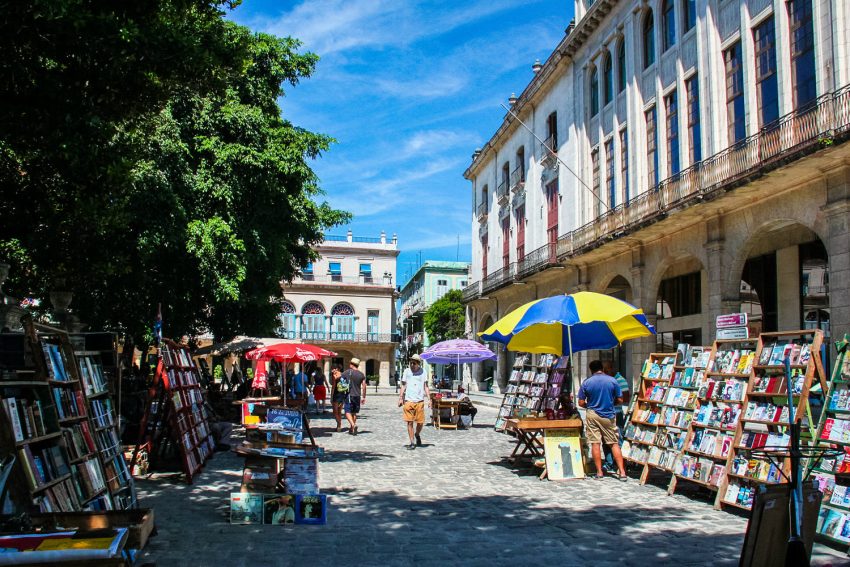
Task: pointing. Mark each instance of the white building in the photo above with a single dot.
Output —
(345, 302)
(700, 152)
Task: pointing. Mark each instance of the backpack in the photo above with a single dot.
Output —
(343, 385)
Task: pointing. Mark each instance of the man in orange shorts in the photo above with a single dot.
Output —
(414, 393)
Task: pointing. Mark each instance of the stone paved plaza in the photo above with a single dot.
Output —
(452, 502)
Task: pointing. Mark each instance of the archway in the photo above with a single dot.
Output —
(485, 372)
(371, 368)
(621, 355)
(680, 304)
(784, 278)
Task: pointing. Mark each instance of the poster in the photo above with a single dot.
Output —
(248, 417)
(278, 509)
(289, 420)
(246, 508)
(311, 509)
(564, 458)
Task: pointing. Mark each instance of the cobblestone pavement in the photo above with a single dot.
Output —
(453, 501)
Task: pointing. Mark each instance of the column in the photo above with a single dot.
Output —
(719, 280)
(837, 215)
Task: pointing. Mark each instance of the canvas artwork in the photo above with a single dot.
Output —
(278, 509)
(246, 508)
(564, 459)
(291, 421)
(311, 509)
(248, 417)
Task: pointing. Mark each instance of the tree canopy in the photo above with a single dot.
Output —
(446, 318)
(146, 161)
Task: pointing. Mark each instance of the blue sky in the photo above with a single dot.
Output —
(409, 88)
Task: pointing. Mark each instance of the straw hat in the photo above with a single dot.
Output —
(355, 362)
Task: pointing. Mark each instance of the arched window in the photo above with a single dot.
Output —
(288, 321)
(342, 322)
(689, 15)
(342, 309)
(668, 25)
(594, 92)
(313, 321)
(608, 78)
(648, 40)
(621, 66)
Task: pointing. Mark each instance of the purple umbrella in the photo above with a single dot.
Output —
(457, 351)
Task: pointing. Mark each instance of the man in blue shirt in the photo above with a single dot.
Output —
(600, 394)
(299, 385)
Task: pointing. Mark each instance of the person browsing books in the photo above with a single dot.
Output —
(600, 394)
(414, 392)
(356, 382)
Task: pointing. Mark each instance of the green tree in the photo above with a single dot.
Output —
(175, 181)
(446, 319)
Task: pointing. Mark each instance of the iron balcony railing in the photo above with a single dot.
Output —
(818, 125)
(502, 192)
(548, 150)
(482, 211)
(517, 179)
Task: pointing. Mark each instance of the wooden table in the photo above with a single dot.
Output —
(528, 431)
(452, 404)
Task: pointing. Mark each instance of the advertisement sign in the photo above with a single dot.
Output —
(733, 333)
(732, 320)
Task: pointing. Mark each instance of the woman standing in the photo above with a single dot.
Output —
(320, 388)
(337, 397)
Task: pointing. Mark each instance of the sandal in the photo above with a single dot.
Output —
(623, 478)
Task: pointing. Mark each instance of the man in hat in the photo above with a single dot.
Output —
(356, 393)
(414, 392)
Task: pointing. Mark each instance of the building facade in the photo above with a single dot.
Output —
(687, 156)
(345, 302)
(431, 281)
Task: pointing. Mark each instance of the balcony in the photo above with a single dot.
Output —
(518, 179)
(344, 337)
(822, 124)
(502, 192)
(339, 279)
(482, 212)
(549, 151)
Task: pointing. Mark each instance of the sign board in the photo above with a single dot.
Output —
(733, 333)
(732, 320)
(289, 421)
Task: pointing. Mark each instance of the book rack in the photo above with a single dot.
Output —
(49, 423)
(833, 431)
(718, 387)
(535, 386)
(175, 420)
(643, 428)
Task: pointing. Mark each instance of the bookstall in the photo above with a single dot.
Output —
(832, 474)
(54, 429)
(280, 475)
(717, 387)
(175, 423)
(535, 386)
(763, 422)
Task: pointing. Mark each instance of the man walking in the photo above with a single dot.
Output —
(356, 393)
(414, 392)
(599, 394)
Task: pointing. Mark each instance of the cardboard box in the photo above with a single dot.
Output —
(260, 475)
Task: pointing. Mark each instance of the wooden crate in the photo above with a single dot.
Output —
(140, 523)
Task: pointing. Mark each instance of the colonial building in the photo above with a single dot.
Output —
(431, 281)
(688, 156)
(345, 302)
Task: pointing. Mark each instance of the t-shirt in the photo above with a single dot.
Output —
(299, 382)
(355, 379)
(414, 385)
(622, 382)
(600, 391)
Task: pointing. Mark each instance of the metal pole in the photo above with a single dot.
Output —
(795, 554)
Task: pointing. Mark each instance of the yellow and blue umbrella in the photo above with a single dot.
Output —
(564, 324)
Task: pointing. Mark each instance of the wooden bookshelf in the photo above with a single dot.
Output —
(763, 419)
(175, 422)
(530, 387)
(720, 386)
(835, 505)
(641, 434)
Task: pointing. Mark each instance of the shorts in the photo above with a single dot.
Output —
(339, 397)
(320, 393)
(414, 411)
(600, 429)
(352, 405)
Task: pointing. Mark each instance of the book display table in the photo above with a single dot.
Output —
(529, 430)
(441, 406)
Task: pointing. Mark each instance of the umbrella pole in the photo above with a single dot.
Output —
(571, 361)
